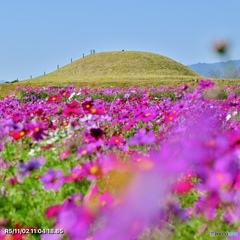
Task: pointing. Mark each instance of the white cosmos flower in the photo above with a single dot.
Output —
(228, 117)
(31, 152)
(86, 118)
(71, 96)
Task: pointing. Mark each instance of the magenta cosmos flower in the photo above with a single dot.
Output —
(142, 137)
(75, 221)
(72, 108)
(148, 114)
(206, 83)
(37, 131)
(116, 140)
(65, 154)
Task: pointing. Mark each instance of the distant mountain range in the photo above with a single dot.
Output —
(229, 69)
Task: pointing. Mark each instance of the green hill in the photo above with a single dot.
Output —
(122, 68)
(119, 65)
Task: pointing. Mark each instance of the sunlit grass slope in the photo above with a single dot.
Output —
(109, 65)
(120, 69)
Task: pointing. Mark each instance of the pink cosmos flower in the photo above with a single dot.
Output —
(136, 211)
(65, 154)
(116, 140)
(194, 95)
(54, 98)
(218, 180)
(206, 83)
(99, 167)
(129, 125)
(184, 87)
(72, 108)
(87, 105)
(65, 93)
(16, 135)
(182, 186)
(37, 130)
(75, 221)
(142, 137)
(180, 105)
(148, 114)
(170, 116)
(4, 164)
(12, 181)
(48, 146)
(94, 170)
(89, 148)
(105, 200)
(77, 174)
(52, 211)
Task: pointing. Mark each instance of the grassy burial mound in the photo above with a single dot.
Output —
(119, 66)
(119, 69)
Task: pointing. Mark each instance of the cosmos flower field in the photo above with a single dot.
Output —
(120, 164)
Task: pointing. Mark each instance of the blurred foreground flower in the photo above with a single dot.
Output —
(142, 137)
(221, 47)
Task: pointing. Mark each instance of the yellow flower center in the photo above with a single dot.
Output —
(37, 129)
(94, 169)
(22, 133)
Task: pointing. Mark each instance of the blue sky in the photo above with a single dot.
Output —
(38, 35)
